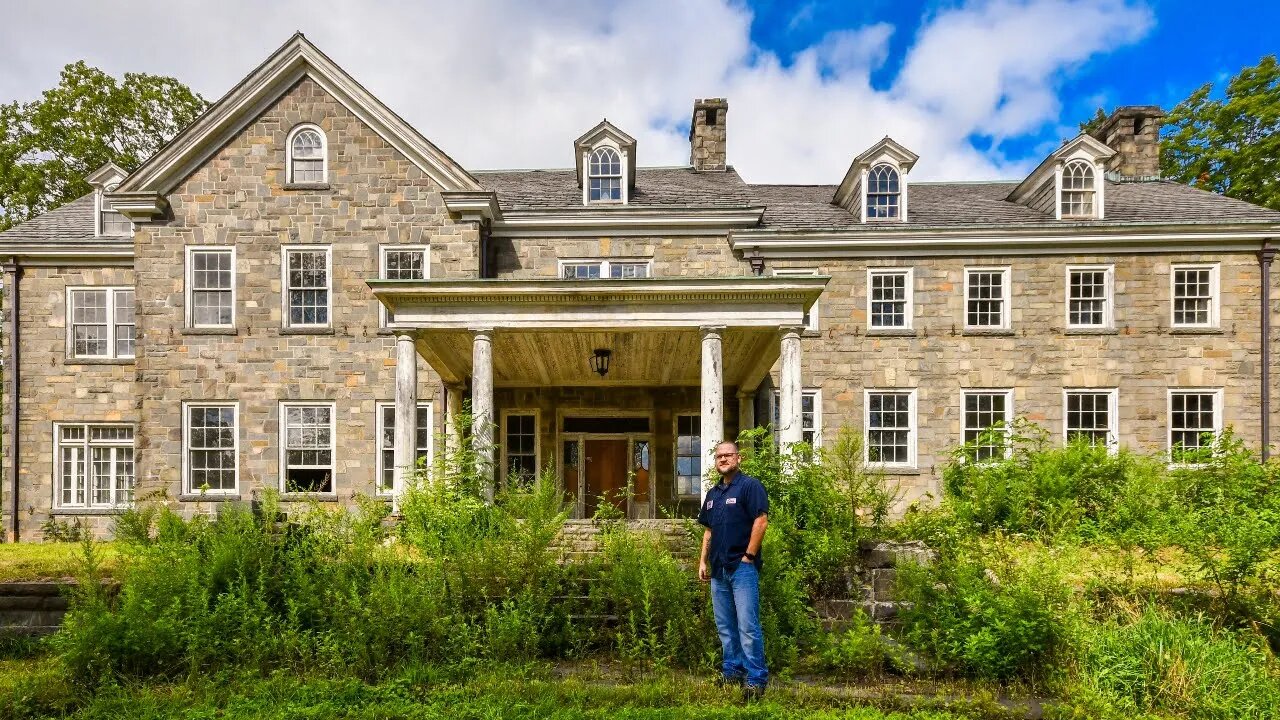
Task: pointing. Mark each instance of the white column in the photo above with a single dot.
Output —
(712, 427)
(482, 406)
(746, 411)
(790, 429)
(453, 407)
(406, 416)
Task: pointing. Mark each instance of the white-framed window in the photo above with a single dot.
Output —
(211, 287)
(983, 410)
(405, 262)
(94, 465)
(307, 297)
(308, 156)
(307, 447)
(1195, 419)
(813, 314)
(100, 322)
(211, 447)
(1090, 296)
(889, 427)
(422, 437)
(884, 193)
(110, 222)
(986, 298)
(890, 302)
(614, 269)
(1194, 292)
(520, 444)
(604, 176)
(689, 455)
(1078, 191)
(1093, 414)
(810, 416)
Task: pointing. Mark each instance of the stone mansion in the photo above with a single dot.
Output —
(300, 289)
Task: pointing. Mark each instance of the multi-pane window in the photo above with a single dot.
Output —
(1077, 190)
(688, 455)
(1091, 414)
(212, 440)
(521, 446)
(810, 416)
(986, 292)
(307, 282)
(307, 448)
(883, 193)
(612, 269)
(111, 222)
(307, 156)
(810, 319)
(1195, 289)
(889, 299)
(890, 427)
(404, 263)
(1089, 297)
(1194, 420)
(604, 173)
(387, 443)
(987, 418)
(95, 465)
(101, 323)
(211, 281)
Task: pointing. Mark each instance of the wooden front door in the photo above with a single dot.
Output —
(606, 474)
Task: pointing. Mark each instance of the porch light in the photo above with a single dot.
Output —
(600, 361)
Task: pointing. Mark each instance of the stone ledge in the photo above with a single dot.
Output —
(1091, 331)
(307, 331)
(1197, 331)
(89, 511)
(993, 332)
(211, 331)
(211, 497)
(297, 497)
(891, 332)
(72, 361)
(306, 186)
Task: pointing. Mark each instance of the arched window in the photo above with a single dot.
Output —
(884, 193)
(307, 156)
(110, 221)
(604, 172)
(1077, 190)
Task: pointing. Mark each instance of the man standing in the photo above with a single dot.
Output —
(735, 514)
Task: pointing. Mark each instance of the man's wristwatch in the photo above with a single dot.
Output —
(750, 556)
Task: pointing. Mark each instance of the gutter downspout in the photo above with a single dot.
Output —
(14, 271)
(1265, 256)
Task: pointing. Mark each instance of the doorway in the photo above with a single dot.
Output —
(607, 463)
(606, 475)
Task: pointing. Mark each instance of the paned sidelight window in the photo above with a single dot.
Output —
(307, 281)
(404, 263)
(101, 323)
(1195, 419)
(1091, 415)
(307, 448)
(211, 439)
(988, 415)
(889, 299)
(890, 427)
(95, 465)
(520, 449)
(810, 416)
(1089, 297)
(1195, 295)
(688, 455)
(986, 292)
(387, 443)
(211, 294)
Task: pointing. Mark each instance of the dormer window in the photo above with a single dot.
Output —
(111, 222)
(1078, 190)
(605, 175)
(883, 193)
(307, 156)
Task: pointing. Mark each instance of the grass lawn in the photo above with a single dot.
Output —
(44, 561)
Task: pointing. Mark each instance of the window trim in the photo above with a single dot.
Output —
(1009, 414)
(1109, 297)
(913, 428)
(775, 408)
(380, 428)
(588, 176)
(1215, 293)
(537, 440)
(99, 207)
(605, 266)
(284, 285)
(675, 454)
(1006, 293)
(187, 405)
(69, 329)
(1218, 408)
(1113, 416)
(1096, 191)
(324, 154)
(190, 283)
(282, 436)
(910, 273)
(866, 193)
(815, 311)
(58, 504)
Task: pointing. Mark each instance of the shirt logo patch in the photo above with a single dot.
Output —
(710, 503)
(731, 501)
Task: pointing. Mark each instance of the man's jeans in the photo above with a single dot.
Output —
(736, 600)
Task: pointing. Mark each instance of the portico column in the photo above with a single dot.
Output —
(746, 411)
(790, 428)
(482, 406)
(453, 408)
(406, 416)
(711, 430)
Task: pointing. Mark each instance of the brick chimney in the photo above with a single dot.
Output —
(1133, 131)
(707, 135)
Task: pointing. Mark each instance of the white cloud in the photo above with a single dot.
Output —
(511, 84)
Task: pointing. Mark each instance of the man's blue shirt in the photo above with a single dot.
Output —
(730, 511)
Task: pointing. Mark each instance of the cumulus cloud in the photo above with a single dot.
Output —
(502, 83)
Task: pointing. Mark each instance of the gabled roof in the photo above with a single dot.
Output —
(105, 175)
(602, 131)
(296, 59)
(888, 148)
(1081, 144)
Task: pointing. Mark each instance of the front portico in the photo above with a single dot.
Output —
(675, 345)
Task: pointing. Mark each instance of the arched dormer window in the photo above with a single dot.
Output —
(884, 193)
(604, 173)
(111, 222)
(308, 156)
(1078, 190)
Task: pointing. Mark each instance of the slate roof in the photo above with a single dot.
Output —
(679, 186)
(69, 224)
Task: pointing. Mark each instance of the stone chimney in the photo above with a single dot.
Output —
(707, 135)
(1133, 131)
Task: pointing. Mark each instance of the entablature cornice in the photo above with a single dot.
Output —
(629, 220)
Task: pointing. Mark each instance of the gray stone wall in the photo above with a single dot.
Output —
(678, 256)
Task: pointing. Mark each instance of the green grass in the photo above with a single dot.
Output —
(46, 561)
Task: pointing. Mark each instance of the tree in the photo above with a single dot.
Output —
(49, 145)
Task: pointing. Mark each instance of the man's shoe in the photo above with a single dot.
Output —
(751, 693)
(737, 681)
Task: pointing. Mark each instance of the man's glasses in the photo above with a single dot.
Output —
(726, 455)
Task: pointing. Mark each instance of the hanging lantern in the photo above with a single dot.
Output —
(600, 361)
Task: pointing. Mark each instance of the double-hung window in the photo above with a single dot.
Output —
(611, 269)
(1091, 415)
(986, 293)
(988, 416)
(810, 416)
(400, 262)
(101, 323)
(307, 274)
(1195, 296)
(890, 427)
(811, 315)
(520, 446)
(889, 301)
(111, 222)
(94, 465)
(307, 447)
(211, 287)
(688, 455)
(1195, 419)
(211, 436)
(387, 443)
(1090, 297)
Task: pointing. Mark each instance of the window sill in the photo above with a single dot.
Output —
(306, 186)
(211, 331)
(98, 361)
(1090, 331)
(891, 332)
(1197, 331)
(895, 470)
(209, 497)
(990, 332)
(307, 331)
(309, 497)
(90, 511)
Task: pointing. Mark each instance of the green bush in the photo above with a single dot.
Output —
(861, 650)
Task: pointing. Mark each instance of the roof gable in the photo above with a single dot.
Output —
(1081, 146)
(607, 133)
(887, 149)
